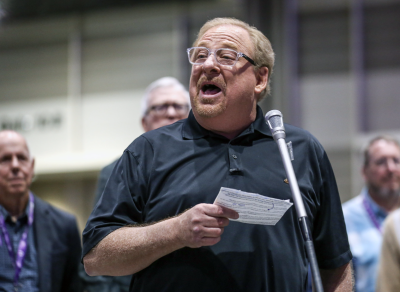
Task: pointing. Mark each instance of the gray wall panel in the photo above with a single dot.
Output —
(33, 72)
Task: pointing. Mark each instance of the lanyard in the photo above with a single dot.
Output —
(18, 259)
(371, 214)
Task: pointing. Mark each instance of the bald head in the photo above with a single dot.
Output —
(9, 135)
(16, 167)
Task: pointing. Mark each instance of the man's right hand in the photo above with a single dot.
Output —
(203, 224)
(128, 250)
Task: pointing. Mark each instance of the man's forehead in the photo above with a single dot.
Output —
(12, 142)
(231, 36)
(383, 147)
(167, 93)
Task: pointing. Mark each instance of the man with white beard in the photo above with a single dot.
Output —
(365, 214)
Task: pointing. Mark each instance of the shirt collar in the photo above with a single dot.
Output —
(23, 217)
(192, 130)
(378, 210)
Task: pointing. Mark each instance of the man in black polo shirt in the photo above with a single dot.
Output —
(157, 219)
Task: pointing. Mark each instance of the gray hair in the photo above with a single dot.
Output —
(162, 82)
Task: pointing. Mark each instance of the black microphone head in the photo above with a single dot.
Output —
(274, 120)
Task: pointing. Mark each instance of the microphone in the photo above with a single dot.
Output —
(275, 122)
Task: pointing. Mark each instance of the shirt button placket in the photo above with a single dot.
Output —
(233, 161)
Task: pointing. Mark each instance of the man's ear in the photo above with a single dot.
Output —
(32, 170)
(144, 124)
(262, 80)
(364, 172)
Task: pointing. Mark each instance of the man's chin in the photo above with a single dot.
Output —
(208, 110)
(18, 190)
(389, 192)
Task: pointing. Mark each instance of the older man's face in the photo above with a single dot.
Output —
(382, 174)
(214, 88)
(166, 106)
(16, 166)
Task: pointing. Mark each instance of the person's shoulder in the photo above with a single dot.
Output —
(353, 210)
(395, 213)
(394, 218)
(295, 129)
(53, 211)
(303, 138)
(108, 168)
(168, 130)
(299, 133)
(158, 137)
(353, 204)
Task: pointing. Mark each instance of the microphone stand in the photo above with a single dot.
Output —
(275, 122)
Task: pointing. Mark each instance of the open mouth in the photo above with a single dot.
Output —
(210, 89)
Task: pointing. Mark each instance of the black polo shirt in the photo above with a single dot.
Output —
(168, 170)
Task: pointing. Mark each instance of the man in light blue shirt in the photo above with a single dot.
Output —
(365, 214)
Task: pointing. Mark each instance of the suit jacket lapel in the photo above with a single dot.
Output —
(43, 234)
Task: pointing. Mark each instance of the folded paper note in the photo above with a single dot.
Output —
(252, 208)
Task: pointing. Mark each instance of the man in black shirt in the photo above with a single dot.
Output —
(157, 219)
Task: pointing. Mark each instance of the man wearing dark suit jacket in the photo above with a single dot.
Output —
(39, 245)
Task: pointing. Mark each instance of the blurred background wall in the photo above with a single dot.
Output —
(73, 72)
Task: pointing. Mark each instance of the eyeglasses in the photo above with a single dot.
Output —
(385, 161)
(161, 109)
(226, 57)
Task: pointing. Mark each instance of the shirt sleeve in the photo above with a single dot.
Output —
(124, 196)
(103, 178)
(329, 229)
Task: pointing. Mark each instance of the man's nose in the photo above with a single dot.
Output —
(171, 111)
(211, 63)
(14, 162)
(392, 165)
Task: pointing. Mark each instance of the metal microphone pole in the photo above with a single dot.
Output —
(274, 120)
